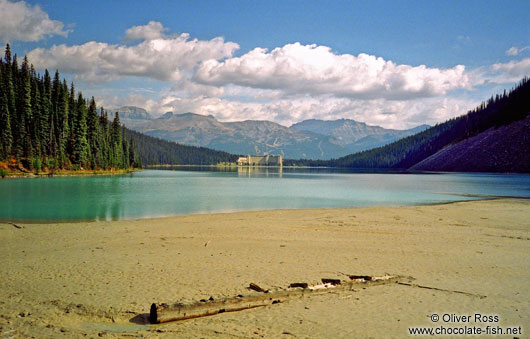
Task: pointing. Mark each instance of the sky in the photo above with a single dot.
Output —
(396, 64)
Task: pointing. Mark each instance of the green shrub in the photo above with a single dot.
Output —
(51, 163)
(3, 173)
(37, 165)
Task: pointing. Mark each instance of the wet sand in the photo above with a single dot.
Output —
(99, 279)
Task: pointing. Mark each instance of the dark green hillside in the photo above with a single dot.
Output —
(497, 111)
(155, 151)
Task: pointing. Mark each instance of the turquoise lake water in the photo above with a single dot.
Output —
(157, 193)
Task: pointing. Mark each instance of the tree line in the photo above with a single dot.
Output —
(45, 124)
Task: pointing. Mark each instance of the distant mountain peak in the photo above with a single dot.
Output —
(130, 112)
(167, 115)
(187, 115)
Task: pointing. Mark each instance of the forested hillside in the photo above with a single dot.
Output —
(46, 125)
(497, 111)
(155, 151)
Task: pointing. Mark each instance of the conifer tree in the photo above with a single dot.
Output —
(93, 133)
(35, 107)
(9, 90)
(104, 139)
(6, 138)
(62, 116)
(47, 118)
(72, 118)
(116, 142)
(8, 82)
(80, 132)
(25, 110)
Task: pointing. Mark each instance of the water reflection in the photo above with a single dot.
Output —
(254, 172)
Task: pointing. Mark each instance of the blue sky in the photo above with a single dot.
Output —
(390, 63)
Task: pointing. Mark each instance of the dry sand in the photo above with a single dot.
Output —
(95, 279)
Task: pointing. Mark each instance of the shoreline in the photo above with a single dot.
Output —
(68, 173)
(99, 278)
(228, 212)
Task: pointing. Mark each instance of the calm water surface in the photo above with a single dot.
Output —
(156, 193)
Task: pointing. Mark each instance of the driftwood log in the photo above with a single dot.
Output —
(331, 281)
(15, 225)
(163, 313)
(302, 285)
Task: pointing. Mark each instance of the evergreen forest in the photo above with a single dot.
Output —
(156, 151)
(45, 125)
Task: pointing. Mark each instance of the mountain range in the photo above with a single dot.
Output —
(309, 139)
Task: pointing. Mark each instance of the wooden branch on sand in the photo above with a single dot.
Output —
(256, 288)
(15, 225)
(163, 313)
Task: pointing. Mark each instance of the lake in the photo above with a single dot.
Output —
(158, 193)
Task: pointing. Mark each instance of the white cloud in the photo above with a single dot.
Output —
(20, 21)
(286, 85)
(159, 58)
(316, 70)
(512, 71)
(187, 88)
(153, 30)
(400, 114)
(514, 51)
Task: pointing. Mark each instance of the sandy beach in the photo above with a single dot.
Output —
(99, 279)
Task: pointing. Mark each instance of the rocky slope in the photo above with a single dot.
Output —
(504, 149)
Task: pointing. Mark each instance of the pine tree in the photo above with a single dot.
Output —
(35, 106)
(64, 125)
(9, 91)
(93, 133)
(80, 132)
(55, 120)
(25, 110)
(9, 83)
(6, 138)
(72, 118)
(46, 118)
(104, 139)
(116, 142)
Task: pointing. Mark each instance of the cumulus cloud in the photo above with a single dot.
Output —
(400, 114)
(153, 30)
(514, 51)
(286, 85)
(187, 88)
(316, 70)
(159, 58)
(20, 21)
(512, 71)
